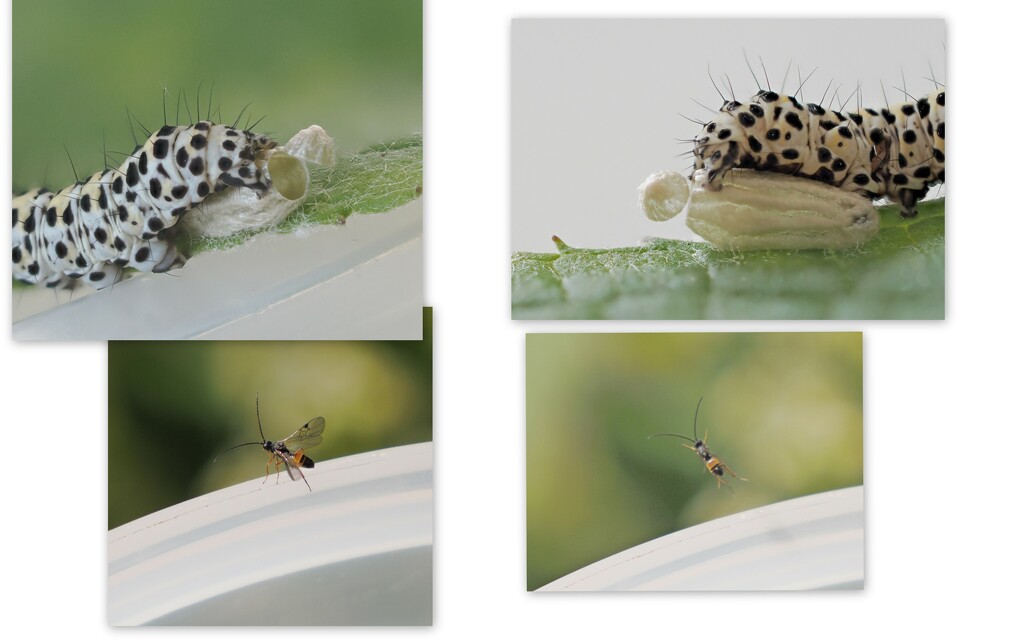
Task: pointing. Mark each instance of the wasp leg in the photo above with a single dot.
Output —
(303, 476)
(265, 477)
(731, 472)
(722, 481)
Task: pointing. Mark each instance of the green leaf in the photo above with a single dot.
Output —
(375, 180)
(900, 274)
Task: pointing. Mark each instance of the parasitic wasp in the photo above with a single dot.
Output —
(714, 464)
(291, 452)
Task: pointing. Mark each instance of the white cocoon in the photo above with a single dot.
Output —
(241, 209)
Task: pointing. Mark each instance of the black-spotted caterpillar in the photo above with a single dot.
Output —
(122, 217)
(896, 151)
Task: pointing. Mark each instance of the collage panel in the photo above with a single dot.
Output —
(659, 173)
(218, 210)
(217, 172)
(694, 461)
(270, 483)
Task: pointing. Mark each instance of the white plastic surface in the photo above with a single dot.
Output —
(814, 542)
(361, 280)
(356, 550)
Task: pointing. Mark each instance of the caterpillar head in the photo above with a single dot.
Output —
(242, 158)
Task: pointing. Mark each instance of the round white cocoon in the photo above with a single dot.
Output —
(663, 195)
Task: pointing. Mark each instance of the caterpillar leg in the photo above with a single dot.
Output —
(908, 201)
(718, 164)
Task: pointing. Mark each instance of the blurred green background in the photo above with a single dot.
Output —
(352, 66)
(174, 406)
(783, 410)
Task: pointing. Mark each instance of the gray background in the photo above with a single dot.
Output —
(596, 104)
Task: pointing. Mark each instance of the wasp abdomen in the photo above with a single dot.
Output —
(303, 460)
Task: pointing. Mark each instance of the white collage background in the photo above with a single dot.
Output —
(943, 428)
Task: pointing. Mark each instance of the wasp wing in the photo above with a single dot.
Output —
(289, 465)
(308, 435)
(294, 472)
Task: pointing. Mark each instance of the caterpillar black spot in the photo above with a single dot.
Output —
(124, 216)
(896, 151)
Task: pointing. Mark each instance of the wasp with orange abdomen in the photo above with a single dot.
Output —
(713, 463)
(291, 451)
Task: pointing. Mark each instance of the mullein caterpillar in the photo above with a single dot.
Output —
(835, 165)
(123, 217)
(896, 151)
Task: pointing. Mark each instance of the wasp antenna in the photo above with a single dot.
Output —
(260, 424)
(674, 435)
(695, 418)
(233, 448)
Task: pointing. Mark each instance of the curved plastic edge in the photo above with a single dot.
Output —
(362, 280)
(363, 509)
(813, 542)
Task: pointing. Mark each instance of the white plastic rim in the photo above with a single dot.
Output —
(356, 550)
(814, 542)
